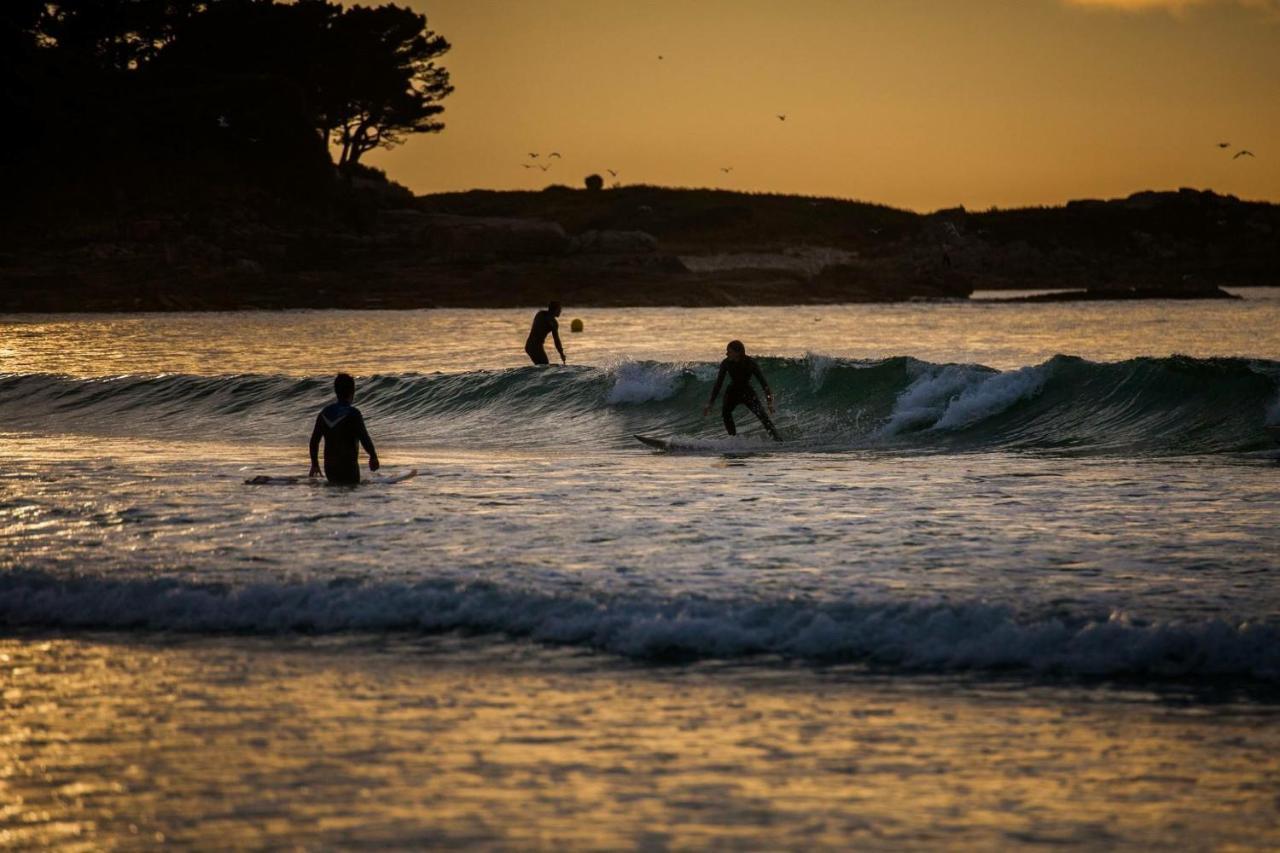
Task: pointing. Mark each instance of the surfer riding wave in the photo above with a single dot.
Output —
(740, 368)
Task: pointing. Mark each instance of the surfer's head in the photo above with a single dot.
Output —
(735, 350)
(345, 387)
(554, 309)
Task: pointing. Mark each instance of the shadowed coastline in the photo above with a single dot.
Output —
(365, 242)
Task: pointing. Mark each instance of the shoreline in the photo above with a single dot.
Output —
(683, 291)
(628, 247)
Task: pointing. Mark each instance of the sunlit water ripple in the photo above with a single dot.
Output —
(975, 492)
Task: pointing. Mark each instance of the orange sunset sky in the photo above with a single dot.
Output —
(914, 103)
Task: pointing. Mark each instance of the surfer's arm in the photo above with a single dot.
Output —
(315, 448)
(715, 391)
(764, 384)
(555, 336)
(367, 443)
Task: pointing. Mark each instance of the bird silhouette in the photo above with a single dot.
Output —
(527, 165)
(782, 116)
(544, 168)
(1224, 144)
(726, 169)
(534, 156)
(660, 56)
(1243, 152)
(555, 154)
(612, 173)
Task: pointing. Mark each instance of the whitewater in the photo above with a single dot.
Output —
(1038, 512)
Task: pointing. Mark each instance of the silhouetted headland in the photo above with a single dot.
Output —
(371, 244)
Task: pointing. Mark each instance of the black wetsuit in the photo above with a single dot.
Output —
(341, 426)
(740, 392)
(544, 323)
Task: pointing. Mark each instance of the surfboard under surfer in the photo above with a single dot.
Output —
(342, 428)
(544, 323)
(740, 368)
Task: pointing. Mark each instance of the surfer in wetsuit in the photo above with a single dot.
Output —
(544, 323)
(740, 367)
(341, 426)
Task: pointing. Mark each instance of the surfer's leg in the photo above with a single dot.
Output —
(726, 412)
(538, 354)
(758, 410)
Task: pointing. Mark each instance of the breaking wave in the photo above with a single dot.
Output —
(1173, 405)
(915, 635)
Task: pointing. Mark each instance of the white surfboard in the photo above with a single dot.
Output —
(387, 479)
(655, 443)
(376, 479)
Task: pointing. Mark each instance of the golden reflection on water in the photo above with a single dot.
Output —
(255, 742)
(316, 343)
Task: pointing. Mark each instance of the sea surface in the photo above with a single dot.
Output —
(1012, 579)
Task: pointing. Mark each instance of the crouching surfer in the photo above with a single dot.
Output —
(341, 426)
(544, 323)
(740, 368)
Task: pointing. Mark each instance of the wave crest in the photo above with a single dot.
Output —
(1174, 405)
(913, 635)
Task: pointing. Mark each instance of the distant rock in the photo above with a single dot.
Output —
(613, 243)
(481, 238)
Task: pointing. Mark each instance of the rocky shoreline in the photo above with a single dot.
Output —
(638, 246)
(1115, 294)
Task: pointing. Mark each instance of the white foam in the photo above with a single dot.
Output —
(819, 366)
(958, 396)
(634, 382)
(925, 400)
(920, 635)
(990, 396)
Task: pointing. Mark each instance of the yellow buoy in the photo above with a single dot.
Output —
(576, 325)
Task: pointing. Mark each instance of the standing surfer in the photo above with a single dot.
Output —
(544, 323)
(342, 427)
(740, 368)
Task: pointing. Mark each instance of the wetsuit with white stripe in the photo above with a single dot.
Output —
(342, 427)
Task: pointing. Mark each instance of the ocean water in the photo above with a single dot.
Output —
(1011, 579)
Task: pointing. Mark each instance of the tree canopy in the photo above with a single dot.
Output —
(258, 81)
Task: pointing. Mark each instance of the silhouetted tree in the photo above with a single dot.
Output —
(390, 86)
(110, 35)
(594, 182)
(272, 91)
(368, 74)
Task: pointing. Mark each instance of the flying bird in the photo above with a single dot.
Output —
(660, 56)
(534, 156)
(555, 154)
(782, 116)
(544, 168)
(612, 173)
(726, 169)
(1243, 152)
(1224, 144)
(527, 165)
